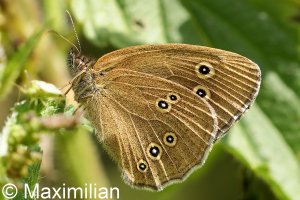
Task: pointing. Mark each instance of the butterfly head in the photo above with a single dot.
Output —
(77, 62)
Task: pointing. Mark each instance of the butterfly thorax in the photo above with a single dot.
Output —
(81, 69)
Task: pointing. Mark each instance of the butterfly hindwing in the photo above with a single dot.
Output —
(131, 124)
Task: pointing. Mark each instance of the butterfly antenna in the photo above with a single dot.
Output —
(64, 38)
(78, 42)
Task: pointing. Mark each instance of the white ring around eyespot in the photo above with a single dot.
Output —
(152, 144)
(173, 101)
(207, 96)
(142, 162)
(168, 143)
(204, 76)
(161, 109)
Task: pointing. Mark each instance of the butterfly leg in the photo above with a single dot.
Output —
(91, 98)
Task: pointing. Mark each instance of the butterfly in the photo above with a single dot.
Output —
(158, 109)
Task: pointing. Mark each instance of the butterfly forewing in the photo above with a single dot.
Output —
(232, 84)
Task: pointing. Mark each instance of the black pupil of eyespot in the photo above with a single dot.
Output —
(201, 92)
(204, 69)
(142, 166)
(170, 138)
(173, 97)
(154, 151)
(163, 104)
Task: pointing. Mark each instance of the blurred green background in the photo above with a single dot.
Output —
(258, 159)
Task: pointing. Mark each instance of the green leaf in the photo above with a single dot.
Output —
(267, 154)
(133, 22)
(16, 62)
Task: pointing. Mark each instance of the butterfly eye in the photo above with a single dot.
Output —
(154, 151)
(173, 98)
(170, 139)
(202, 91)
(163, 105)
(204, 70)
(142, 166)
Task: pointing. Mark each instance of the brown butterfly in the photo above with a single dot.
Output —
(158, 109)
